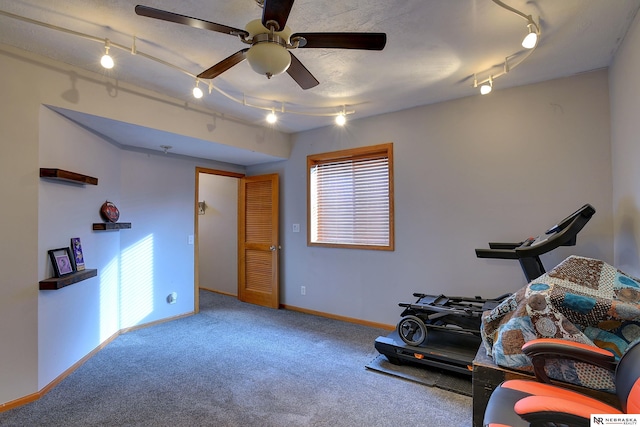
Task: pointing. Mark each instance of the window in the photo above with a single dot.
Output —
(351, 198)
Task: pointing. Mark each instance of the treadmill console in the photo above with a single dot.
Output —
(564, 233)
(587, 210)
(528, 251)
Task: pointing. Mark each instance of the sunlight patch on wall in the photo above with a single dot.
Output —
(109, 300)
(136, 282)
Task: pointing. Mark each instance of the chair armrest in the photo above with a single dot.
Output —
(558, 410)
(540, 349)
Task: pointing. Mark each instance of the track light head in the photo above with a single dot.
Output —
(197, 92)
(531, 39)
(107, 61)
(486, 87)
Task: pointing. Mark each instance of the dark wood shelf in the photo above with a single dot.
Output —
(102, 226)
(63, 175)
(54, 283)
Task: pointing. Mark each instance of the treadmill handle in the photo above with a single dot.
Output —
(497, 253)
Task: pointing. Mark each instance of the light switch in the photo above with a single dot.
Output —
(296, 228)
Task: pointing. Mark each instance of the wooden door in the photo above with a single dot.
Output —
(258, 243)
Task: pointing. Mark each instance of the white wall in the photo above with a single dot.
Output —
(46, 332)
(82, 315)
(19, 229)
(625, 143)
(496, 168)
(158, 199)
(218, 234)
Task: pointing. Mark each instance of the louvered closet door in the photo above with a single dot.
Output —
(258, 245)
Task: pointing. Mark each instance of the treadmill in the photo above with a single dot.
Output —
(454, 348)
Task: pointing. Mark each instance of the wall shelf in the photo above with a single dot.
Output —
(63, 175)
(54, 283)
(102, 226)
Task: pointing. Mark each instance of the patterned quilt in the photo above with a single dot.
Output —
(581, 299)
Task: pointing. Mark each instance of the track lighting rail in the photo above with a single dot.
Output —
(530, 43)
(109, 44)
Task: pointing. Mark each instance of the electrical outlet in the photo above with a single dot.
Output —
(303, 290)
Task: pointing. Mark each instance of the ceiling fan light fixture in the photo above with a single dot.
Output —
(269, 59)
(107, 61)
(268, 54)
(341, 119)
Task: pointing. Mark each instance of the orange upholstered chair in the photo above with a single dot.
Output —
(522, 403)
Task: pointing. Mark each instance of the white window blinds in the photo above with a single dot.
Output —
(350, 201)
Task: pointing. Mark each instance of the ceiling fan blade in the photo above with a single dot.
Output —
(224, 65)
(367, 41)
(278, 11)
(187, 20)
(300, 74)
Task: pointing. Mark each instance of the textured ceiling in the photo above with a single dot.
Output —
(433, 49)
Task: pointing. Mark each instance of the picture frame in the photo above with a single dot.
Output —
(61, 261)
(78, 256)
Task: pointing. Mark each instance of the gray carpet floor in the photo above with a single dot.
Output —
(236, 364)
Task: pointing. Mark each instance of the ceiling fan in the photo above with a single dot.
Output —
(271, 41)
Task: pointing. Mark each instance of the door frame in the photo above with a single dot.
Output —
(196, 250)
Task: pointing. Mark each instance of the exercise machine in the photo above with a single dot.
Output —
(439, 331)
(444, 332)
(451, 314)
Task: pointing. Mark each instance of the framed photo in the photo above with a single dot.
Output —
(61, 260)
(78, 257)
